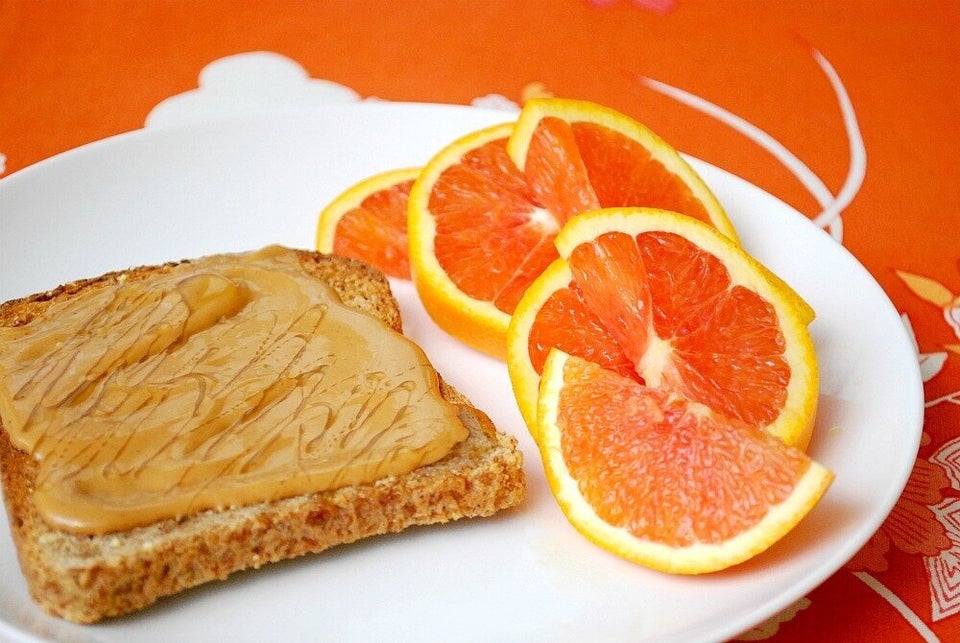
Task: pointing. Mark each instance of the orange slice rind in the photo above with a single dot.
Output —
(368, 221)
(475, 321)
(663, 482)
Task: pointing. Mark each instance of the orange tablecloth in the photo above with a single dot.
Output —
(848, 111)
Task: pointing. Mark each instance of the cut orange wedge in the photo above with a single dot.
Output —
(663, 481)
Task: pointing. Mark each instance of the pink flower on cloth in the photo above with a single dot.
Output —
(657, 6)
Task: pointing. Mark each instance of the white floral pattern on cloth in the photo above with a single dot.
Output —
(265, 82)
(930, 363)
(938, 294)
(771, 626)
(944, 568)
(248, 83)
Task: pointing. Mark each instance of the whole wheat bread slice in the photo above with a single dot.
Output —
(86, 578)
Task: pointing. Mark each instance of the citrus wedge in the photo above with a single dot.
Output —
(672, 303)
(468, 277)
(574, 148)
(368, 221)
(661, 480)
(481, 229)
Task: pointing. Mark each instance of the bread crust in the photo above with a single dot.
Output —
(86, 578)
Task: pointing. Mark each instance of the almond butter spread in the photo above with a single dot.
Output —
(224, 382)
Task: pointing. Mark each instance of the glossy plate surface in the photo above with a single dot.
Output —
(157, 195)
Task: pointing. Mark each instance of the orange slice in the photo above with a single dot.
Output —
(468, 276)
(661, 480)
(670, 302)
(582, 156)
(481, 229)
(368, 221)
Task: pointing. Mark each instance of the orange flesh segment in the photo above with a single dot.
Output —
(612, 280)
(707, 323)
(566, 323)
(622, 172)
(488, 238)
(664, 469)
(555, 171)
(376, 231)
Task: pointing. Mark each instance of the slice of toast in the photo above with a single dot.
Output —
(85, 578)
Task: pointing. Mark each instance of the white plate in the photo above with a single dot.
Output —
(156, 195)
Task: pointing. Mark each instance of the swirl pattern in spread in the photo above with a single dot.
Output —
(233, 380)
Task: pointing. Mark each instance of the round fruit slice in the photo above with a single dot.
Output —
(481, 229)
(368, 222)
(670, 302)
(661, 480)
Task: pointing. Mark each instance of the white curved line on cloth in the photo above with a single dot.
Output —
(908, 614)
(806, 176)
(950, 398)
(858, 151)
(831, 206)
